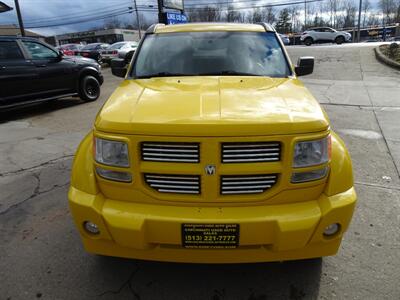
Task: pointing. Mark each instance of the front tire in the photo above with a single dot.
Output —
(339, 40)
(89, 88)
(308, 41)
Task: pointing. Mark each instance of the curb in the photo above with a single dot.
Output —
(384, 59)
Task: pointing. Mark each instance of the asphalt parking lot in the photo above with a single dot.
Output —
(41, 255)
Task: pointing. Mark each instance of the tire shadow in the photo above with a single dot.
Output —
(38, 109)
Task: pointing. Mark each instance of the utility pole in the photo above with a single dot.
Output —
(359, 22)
(137, 20)
(21, 24)
(305, 14)
(160, 11)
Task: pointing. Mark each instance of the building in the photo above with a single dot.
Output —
(12, 30)
(109, 36)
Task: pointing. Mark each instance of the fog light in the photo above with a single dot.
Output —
(300, 177)
(91, 227)
(114, 175)
(332, 229)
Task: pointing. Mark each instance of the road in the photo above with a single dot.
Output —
(41, 255)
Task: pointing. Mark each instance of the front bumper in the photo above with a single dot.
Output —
(267, 233)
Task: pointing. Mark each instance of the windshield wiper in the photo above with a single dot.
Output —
(229, 73)
(162, 74)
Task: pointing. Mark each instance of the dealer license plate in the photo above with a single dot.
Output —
(210, 235)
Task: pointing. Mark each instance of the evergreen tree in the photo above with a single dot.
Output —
(283, 25)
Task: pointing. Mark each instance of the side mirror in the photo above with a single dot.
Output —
(60, 55)
(305, 66)
(118, 67)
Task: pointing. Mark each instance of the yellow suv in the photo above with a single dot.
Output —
(212, 151)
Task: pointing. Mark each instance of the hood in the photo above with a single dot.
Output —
(80, 60)
(211, 106)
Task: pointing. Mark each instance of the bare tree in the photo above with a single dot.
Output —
(389, 9)
(366, 6)
(333, 8)
(269, 15)
(257, 15)
(349, 17)
(112, 23)
(205, 14)
(232, 15)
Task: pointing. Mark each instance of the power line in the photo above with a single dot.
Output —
(82, 21)
(257, 6)
(80, 14)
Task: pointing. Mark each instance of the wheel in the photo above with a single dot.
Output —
(339, 40)
(89, 88)
(308, 41)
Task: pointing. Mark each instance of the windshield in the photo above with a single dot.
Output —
(211, 53)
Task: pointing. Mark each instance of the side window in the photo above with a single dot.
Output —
(39, 51)
(9, 50)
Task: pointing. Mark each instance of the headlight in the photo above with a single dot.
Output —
(311, 153)
(111, 153)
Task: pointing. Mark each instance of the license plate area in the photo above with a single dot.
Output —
(210, 236)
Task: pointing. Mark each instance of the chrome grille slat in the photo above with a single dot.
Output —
(170, 152)
(250, 145)
(250, 155)
(168, 145)
(249, 152)
(246, 184)
(251, 159)
(172, 155)
(168, 183)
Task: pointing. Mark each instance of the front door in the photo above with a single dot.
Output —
(55, 74)
(18, 75)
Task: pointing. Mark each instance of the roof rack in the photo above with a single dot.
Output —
(267, 27)
(152, 28)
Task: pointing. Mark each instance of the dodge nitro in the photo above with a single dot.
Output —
(212, 151)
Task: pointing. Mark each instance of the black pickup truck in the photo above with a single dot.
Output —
(32, 71)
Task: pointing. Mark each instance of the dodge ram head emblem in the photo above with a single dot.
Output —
(210, 169)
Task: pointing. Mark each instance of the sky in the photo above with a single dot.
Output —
(50, 12)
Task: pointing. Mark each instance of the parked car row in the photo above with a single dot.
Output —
(32, 71)
(119, 50)
(101, 52)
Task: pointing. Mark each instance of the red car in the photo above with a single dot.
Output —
(70, 49)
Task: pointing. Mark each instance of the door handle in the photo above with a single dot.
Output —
(41, 66)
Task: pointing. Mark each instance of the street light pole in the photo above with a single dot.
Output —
(21, 24)
(137, 20)
(359, 22)
(305, 14)
(160, 11)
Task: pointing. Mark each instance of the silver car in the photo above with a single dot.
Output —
(118, 50)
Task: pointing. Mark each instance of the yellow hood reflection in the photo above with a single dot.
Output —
(211, 106)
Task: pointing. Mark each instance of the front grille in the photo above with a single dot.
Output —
(247, 184)
(250, 152)
(171, 152)
(181, 184)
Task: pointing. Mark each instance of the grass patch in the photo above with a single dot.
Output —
(391, 51)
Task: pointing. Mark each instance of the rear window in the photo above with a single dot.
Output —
(211, 53)
(10, 50)
(116, 46)
(91, 47)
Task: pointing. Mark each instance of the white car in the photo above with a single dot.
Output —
(118, 50)
(324, 35)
